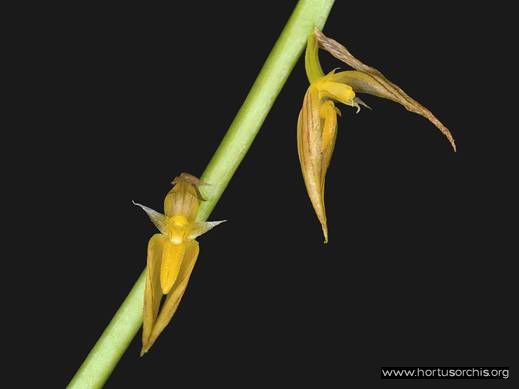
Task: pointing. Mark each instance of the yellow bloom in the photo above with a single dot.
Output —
(171, 255)
(317, 122)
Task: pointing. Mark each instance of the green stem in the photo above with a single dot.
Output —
(117, 336)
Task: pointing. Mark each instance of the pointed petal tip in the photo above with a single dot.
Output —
(453, 144)
(445, 131)
(145, 348)
(142, 206)
(359, 101)
(440, 126)
(166, 288)
(202, 227)
(325, 232)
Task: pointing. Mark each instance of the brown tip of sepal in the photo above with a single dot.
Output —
(187, 178)
(192, 180)
(325, 233)
(146, 346)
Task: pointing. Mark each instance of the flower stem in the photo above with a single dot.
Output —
(123, 327)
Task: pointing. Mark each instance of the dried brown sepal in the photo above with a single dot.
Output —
(369, 80)
(316, 135)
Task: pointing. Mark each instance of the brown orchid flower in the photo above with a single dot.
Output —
(317, 122)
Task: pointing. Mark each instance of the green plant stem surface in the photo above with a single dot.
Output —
(123, 327)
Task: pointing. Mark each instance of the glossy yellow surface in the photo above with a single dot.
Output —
(317, 127)
(171, 255)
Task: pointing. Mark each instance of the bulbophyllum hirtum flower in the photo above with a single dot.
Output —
(172, 254)
(317, 122)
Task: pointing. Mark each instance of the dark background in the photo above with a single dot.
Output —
(418, 270)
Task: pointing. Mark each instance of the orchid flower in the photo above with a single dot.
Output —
(172, 255)
(317, 122)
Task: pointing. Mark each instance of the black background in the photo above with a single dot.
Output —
(418, 270)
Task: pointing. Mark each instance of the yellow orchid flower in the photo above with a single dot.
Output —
(171, 255)
(317, 121)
